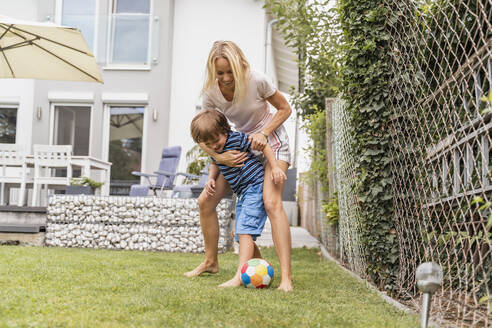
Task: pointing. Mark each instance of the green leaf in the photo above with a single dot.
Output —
(487, 98)
(477, 199)
(484, 206)
(485, 298)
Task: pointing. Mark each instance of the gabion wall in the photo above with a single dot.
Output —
(132, 223)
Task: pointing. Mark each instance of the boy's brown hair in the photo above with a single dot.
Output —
(207, 124)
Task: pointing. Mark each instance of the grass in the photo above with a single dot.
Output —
(59, 287)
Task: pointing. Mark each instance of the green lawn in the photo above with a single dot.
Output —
(56, 287)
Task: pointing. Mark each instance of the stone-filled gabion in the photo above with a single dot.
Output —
(132, 223)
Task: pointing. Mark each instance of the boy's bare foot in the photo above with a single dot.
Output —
(286, 286)
(234, 282)
(202, 268)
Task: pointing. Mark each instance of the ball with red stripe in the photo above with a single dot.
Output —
(257, 273)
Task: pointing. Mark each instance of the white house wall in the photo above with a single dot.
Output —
(155, 83)
(187, 29)
(197, 24)
(20, 9)
(19, 94)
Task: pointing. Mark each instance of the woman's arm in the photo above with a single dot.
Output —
(283, 112)
(232, 158)
(258, 140)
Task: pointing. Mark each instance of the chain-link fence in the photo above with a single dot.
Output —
(349, 230)
(442, 156)
(442, 64)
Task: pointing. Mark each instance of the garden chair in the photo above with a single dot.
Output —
(163, 178)
(188, 189)
(13, 172)
(47, 158)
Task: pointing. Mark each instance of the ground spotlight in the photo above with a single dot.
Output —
(429, 279)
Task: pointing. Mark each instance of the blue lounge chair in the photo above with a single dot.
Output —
(163, 178)
(188, 189)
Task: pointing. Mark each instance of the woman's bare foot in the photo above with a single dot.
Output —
(234, 282)
(286, 286)
(203, 268)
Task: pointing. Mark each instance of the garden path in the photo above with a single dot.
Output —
(300, 237)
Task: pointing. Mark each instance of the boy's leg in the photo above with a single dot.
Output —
(210, 227)
(246, 252)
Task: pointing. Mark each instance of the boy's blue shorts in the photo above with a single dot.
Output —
(250, 212)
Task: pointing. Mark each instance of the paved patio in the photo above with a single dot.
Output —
(300, 237)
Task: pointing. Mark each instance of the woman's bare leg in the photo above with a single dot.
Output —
(272, 196)
(257, 253)
(210, 227)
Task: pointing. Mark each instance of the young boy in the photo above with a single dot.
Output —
(211, 128)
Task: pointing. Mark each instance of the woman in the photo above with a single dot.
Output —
(243, 95)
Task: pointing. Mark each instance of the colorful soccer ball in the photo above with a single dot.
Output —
(257, 273)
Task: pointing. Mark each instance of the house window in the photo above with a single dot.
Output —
(80, 14)
(72, 127)
(125, 142)
(130, 30)
(8, 124)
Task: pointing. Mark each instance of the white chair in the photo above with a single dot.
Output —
(46, 159)
(13, 171)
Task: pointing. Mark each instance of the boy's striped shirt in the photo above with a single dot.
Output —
(251, 173)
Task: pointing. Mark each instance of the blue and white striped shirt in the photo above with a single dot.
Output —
(251, 173)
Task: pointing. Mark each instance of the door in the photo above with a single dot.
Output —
(125, 146)
(72, 127)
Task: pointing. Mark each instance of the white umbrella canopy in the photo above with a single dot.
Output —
(45, 51)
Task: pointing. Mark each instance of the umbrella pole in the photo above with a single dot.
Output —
(8, 63)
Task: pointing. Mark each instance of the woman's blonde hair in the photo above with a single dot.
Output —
(239, 65)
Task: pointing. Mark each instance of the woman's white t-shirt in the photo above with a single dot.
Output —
(253, 112)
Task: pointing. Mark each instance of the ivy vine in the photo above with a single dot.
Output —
(365, 74)
(346, 51)
(312, 30)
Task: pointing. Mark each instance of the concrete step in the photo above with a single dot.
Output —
(20, 215)
(22, 225)
(22, 228)
(24, 239)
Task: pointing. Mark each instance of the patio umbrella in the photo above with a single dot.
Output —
(46, 51)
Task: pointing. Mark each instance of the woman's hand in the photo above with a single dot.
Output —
(278, 175)
(232, 158)
(210, 187)
(258, 141)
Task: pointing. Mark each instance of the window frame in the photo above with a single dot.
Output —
(54, 119)
(106, 128)
(95, 40)
(110, 37)
(17, 121)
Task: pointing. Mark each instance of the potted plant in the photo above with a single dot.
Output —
(82, 186)
(197, 159)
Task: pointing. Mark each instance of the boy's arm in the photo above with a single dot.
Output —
(269, 155)
(277, 174)
(213, 173)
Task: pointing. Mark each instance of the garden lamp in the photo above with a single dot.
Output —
(429, 279)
